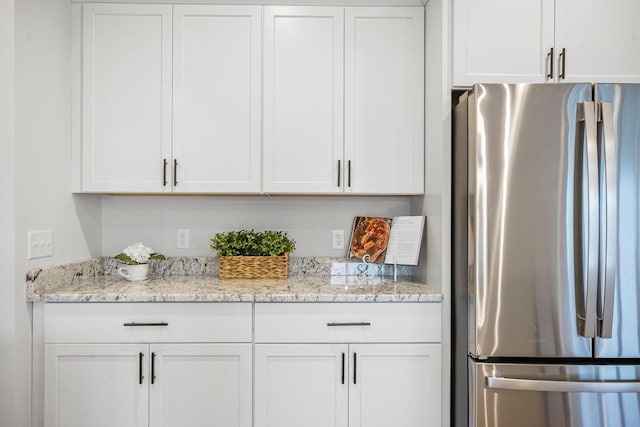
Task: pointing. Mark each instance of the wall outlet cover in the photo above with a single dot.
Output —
(182, 238)
(337, 239)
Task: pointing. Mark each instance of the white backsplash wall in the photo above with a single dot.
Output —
(309, 220)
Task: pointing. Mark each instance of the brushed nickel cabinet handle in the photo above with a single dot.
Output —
(355, 370)
(164, 172)
(146, 324)
(140, 376)
(153, 368)
(550, 58)
(563, 63)
(175, 172)
(349, 324)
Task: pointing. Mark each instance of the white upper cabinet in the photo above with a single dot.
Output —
(126, 97)
(384, 100)
(248, 99)
(216, 98)
(501, 41)
(149, 128)
(374, 146)
(601, 40)
(303, 99)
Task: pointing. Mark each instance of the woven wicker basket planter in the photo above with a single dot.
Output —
(254, 267)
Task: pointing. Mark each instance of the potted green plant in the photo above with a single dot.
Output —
(249, 254)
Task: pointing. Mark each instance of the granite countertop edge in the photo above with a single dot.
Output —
(86, 282)
(272, 298)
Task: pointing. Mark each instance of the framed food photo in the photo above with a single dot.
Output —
(369, 236)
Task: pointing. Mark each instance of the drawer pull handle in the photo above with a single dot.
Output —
(146, 324)
(349, 324)
(342, 368)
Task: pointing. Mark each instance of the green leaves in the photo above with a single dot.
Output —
(125, 258)
(252, 243)
(128, 260)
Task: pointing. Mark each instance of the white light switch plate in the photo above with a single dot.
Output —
(40, 244)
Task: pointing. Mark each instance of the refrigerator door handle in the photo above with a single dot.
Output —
(562, 386)
(587, 115)
(609, 243)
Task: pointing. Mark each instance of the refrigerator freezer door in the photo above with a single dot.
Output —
(554, 395)
(527, 158)
(624, 340)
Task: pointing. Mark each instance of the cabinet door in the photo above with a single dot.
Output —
(384, 100)
(126, 97)
(201, 385)
(502, 41)
(395, 385)
(601, 40)
(98, 385)
(303, 99)
(301, 385)
(216, 98)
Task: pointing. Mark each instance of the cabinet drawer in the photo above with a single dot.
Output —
(347, 322)
(125, 322)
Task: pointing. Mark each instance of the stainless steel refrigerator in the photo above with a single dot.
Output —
(546, 256)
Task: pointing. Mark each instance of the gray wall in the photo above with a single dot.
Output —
(12, 408)
(309, 220)
(36, 187)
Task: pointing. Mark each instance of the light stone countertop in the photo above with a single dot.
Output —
(86, 282)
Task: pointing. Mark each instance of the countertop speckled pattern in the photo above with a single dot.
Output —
(86, 282)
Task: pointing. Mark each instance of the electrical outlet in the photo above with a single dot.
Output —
(182, 241)
(338, 239)
(40, 244)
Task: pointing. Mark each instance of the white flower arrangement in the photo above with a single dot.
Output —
(138, 254)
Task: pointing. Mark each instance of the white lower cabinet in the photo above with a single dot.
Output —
(394, 385)
(322, 364)
(209, 365)
(159, 385)
(301, 385)
(200, 385)
(95, 385)
(137, 365)
(355, 385)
